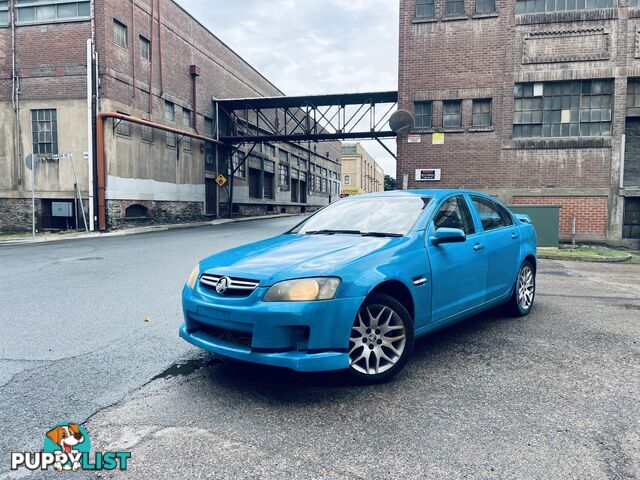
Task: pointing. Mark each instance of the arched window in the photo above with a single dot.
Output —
(347, 179)
(136, 211)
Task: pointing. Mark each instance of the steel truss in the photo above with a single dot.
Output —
(315, 118)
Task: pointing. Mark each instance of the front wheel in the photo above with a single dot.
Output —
(521, 301)
(381, 340)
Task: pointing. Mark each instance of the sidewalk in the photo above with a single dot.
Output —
(27, 239)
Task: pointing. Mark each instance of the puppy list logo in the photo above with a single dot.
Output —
(67, 447)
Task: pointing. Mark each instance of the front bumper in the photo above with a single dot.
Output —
(305, 336)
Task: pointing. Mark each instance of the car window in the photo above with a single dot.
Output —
(455, 213)
(491, 214)
(387, 215)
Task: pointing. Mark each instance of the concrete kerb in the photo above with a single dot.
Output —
(135, 231)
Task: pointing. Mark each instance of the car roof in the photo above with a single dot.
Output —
(433, 193)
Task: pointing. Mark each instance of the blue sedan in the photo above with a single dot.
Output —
(352, 286)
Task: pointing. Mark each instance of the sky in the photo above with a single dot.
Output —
(308, 47)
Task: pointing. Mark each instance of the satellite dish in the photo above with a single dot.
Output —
(401, 122)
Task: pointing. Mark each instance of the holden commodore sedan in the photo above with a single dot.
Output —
(352, 286)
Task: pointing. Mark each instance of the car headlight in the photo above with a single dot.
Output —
(303, 290)
(193, 278)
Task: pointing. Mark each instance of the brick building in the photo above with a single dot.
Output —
(360, 171)
(156, 62)
(537, 103)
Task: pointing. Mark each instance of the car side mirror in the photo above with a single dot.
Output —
(448, 235)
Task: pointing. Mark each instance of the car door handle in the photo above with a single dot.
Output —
(515, 235)
(478, 246)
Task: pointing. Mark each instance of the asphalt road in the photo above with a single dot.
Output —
(554, 395)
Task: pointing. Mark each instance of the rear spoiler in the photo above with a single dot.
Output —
(523, 218)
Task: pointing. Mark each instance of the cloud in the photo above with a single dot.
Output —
(308, 47)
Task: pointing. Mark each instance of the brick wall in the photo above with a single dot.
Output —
(476, 57)
(590, 212)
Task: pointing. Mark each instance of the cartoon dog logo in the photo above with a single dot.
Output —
(67, 437)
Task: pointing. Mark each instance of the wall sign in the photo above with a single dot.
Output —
(414, 138)
(437, 139)
(428, 175)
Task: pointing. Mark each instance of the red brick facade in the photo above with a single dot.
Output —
(590, 213)
(473, 57)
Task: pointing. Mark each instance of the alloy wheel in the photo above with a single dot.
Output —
(526, 287)
(378, 340)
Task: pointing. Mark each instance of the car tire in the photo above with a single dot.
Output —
(524, 291)
(381, 340)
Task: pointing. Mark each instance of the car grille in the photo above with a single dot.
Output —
(230, 336)
(237, 287)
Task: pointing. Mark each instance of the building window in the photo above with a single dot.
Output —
(424, 114)
(186, 117)
(634, 3)
(44, 129)
(120, 34)
(284, 175)
(170, 114)
(146, 134)
(484, 7)
(123, 127)
(481, 113)
(144, 47)
(454, 8)
(4, 12)
(270, 150)
(540, 6)
(563, 109)
(425, 9)
(239, 165)
(169, 111)
(43, 11)
(633, 93)
(208, 126)
(452, 114)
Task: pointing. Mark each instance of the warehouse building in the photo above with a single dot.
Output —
(150, 60)
(360, 171)
(534, 101)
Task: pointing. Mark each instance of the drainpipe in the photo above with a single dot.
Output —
(15, 94)
(90, 131)
(160, 47)
(153, 22)
(194, 70)
(133, 46)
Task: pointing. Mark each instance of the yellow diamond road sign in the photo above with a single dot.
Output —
(221, 180)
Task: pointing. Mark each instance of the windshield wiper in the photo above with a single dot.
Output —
(380, 234)
(334, 232)
(353, 232)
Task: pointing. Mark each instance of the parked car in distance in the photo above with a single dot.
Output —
(353, 285)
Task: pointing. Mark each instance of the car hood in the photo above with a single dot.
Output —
(293, 256)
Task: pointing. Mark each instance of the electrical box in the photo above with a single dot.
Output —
(61, 209)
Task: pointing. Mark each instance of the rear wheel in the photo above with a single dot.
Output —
(381, 340)
(521, 301)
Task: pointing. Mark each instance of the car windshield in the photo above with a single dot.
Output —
(384, 216)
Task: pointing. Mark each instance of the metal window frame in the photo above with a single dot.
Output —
(557, 97)
(5, 9)
(454, 3)
(482, 114)
(144, 46)
(422, 115)
(35, 146)
(19, 5)
(117, 23)
(446, 115)
(425, 9)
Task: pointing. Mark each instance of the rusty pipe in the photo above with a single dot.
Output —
(160, 48)
(101, 160)
(153, 2)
